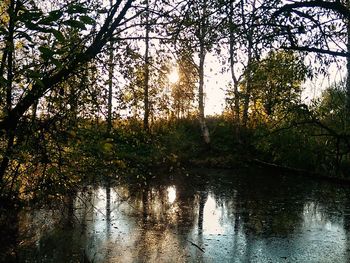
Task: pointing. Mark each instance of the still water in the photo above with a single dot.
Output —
(201, 216)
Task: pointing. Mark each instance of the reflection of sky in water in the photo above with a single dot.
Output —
(126, 230)
(213, 217)
(171, 194)
(160, 225)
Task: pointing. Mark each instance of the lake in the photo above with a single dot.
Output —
(245, 215)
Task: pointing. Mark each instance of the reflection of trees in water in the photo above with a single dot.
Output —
(9, 236)
(346, 223)
(261, 206)
(203, 197)
(65, 238)
(41, 234)
(165, 223)
(151, 201)
(280, 208)
(256, 206)
(108, 211)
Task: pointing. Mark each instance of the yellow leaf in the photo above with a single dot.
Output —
(107, 147)
(19, 45)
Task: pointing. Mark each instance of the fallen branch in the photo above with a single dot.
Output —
(301, 172)
(194, 244)
(281, 167)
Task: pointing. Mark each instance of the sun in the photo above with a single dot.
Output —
(173, 76)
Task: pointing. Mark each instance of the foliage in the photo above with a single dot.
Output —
(311, 25)
(277, 82)
(183, 91)
(318, 134)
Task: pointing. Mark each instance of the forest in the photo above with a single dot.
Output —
(85, 89)
(96, 91)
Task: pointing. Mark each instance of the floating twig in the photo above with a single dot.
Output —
(194, 244)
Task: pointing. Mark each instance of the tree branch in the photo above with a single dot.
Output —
(317, 50)
(41, 87)
(334, 6)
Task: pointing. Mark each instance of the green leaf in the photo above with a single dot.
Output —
(46, 52)
(52, 17)
(102, 11)
(75, 24)
(32, 15)
(40, 83)
(31, 25)
(3, 30)
(57, 63)
(33, 74)
(55, 15)
(107, 147)
(52, 170)
(87, 20)
(58, 35)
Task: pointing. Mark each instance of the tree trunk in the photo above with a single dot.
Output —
(6, 158)
(110, 83)
(146, 72)
(249, 29)
(2, 70)
(110, 88)
(232, 69)
(202, 53)
(9, 50)
(34, 111)
(348, 60)
(204, 128)
(248, 86)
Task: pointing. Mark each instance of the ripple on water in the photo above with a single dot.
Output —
(178, 221)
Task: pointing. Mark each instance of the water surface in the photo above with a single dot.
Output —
(201, 216)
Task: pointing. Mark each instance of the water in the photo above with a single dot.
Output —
(204, 216)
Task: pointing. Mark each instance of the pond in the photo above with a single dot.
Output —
(198, 216)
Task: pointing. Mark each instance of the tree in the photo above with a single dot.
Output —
(244, 37)
(249, 31)
(183, 91)
(312, 26)
(276, 81)
(146, 69)
(232, 30)
(110, 82)
(61, 60)
(195, 28)
(132, 94)
(320, 27)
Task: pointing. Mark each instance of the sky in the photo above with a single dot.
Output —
(314, 88)
(216, 83)
(214, 86)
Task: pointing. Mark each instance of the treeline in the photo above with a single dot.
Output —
(85, 89)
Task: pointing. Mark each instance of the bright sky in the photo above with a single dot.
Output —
(314, 87)
(216, 83)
